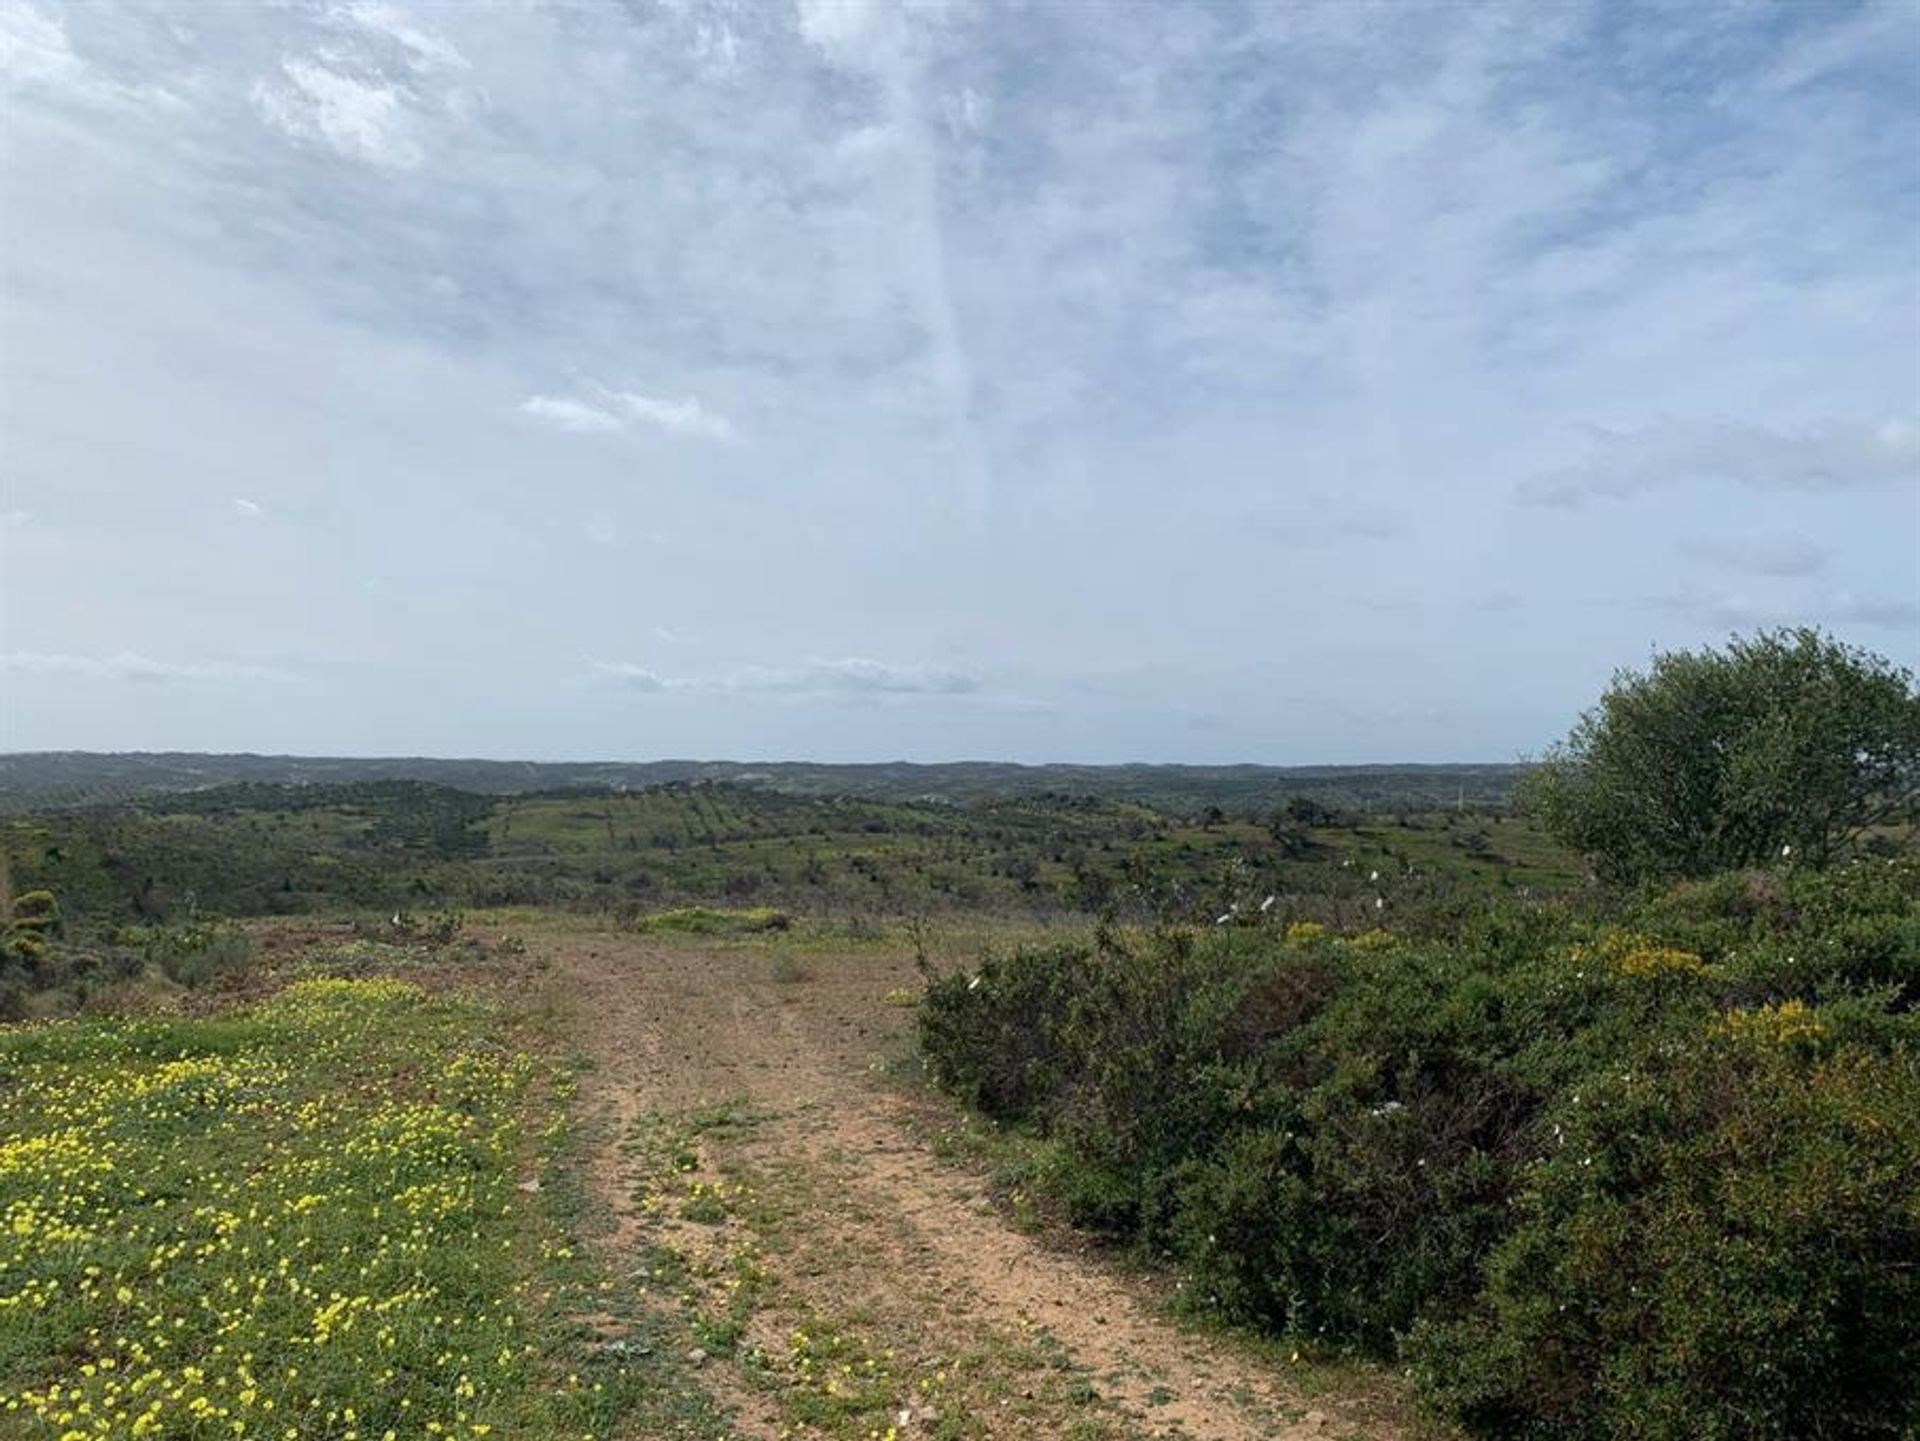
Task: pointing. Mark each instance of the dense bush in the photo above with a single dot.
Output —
(1788, 742)
(1658, 1176)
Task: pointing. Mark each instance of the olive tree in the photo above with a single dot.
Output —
(1787, 743)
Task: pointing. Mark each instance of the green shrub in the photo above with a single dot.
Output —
(1591, 1178)
(712, 921)
(192, 955)
(28, 931)
(1722, 1243)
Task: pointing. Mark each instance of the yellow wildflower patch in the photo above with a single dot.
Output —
(293, 1222)
(1778, 1025)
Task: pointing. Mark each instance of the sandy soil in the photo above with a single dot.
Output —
(867, 1221)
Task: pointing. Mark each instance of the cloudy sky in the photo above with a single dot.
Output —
(857, 381)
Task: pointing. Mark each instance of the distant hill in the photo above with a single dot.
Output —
(58, 779)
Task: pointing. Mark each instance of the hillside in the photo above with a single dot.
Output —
(39, 780)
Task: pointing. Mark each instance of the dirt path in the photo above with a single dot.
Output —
(871, 1283)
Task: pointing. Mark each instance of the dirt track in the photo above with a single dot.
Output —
(862, 1219)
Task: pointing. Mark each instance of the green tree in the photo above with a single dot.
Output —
(1786, 743)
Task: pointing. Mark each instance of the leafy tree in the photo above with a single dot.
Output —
(1786, 743)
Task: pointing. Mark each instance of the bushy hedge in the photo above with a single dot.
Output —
(1655, 1177)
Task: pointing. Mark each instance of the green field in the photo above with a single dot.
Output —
(259, 850)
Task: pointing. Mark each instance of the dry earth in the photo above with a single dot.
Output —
(747, 1133)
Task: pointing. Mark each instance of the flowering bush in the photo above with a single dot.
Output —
(1654, 1178)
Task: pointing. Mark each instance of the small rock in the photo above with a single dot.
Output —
(697, 1356)
(1314, 1420)
(532, 1184)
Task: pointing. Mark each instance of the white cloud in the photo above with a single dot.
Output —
(856, 677)
(847, 30)
(35, 52)
(846, 679)
(616, 410)
(358, 119)
(34, 47)
(685, 417)
(129, 665)
(1839, 455)
(566, 413)
(996, 342)
(424, 49)
(253, 510)
(639, 677)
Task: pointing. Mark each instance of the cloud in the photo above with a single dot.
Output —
(639, 678)
(615, 410)
(1784, 554)
(1002, 308)
(851, 32)
(686, 417)
(359, 119)
(1837, 456)
(565, 413)
(130, 666)
(253, 510)
(844, 679)
(35, 52)
(1733, 611)
(34, 47)
(424, 50)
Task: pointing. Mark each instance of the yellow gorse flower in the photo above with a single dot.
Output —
(1778, 1025)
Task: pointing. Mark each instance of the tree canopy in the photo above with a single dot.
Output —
(1786, 743)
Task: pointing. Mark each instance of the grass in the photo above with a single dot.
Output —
(302, 1220)
(714, 921)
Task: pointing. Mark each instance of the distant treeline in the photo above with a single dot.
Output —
(31, 781)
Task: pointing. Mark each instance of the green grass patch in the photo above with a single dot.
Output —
(301, 1220)
(713, 921)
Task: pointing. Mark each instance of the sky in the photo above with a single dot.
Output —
(857, 381)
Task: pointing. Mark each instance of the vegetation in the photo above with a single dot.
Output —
(1601, 1164)
(254, 849)
(1786, 744)
(299, 1220)
(707, 921)
(44, 780)
(1658, 1176)
(1601, 1120)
